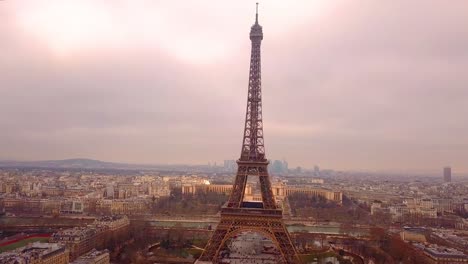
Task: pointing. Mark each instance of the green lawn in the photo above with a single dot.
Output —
(22, 243)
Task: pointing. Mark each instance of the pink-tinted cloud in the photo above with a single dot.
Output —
(359, 85)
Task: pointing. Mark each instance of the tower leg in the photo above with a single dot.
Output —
(231, 226)
(213, 247)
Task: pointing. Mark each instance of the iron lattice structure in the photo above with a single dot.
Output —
(237, 216)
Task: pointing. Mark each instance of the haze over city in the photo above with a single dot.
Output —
(350, 85)
(216, 132)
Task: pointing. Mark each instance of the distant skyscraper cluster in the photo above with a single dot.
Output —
(276, 166)
(230, 165)
(279, 166)
(316, 171)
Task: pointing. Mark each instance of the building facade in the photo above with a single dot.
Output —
(280, 191)
(37, 253)
(94, 257)
(78, 240)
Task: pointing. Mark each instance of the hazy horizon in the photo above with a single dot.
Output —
(427, 173)
(346, 85)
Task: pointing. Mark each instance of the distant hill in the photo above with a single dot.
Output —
(97, 164)
(71, 164)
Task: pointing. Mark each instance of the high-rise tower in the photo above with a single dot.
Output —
(238, 215)
(447, 174)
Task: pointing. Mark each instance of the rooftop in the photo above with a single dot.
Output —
(34, 250)
(440, 251)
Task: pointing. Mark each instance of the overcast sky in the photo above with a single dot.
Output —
(352, 85)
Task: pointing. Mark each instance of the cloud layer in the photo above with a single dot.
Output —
(347, 85)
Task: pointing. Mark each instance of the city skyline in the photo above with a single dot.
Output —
(347, 86)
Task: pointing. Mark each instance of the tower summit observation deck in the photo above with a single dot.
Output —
(238, 215)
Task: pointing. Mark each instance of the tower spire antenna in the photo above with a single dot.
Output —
(256, 14)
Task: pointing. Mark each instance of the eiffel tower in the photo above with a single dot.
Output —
(237, 215)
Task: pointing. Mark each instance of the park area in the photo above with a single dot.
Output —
(17, 241)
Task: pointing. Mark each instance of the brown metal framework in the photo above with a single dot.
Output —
(238, 216)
